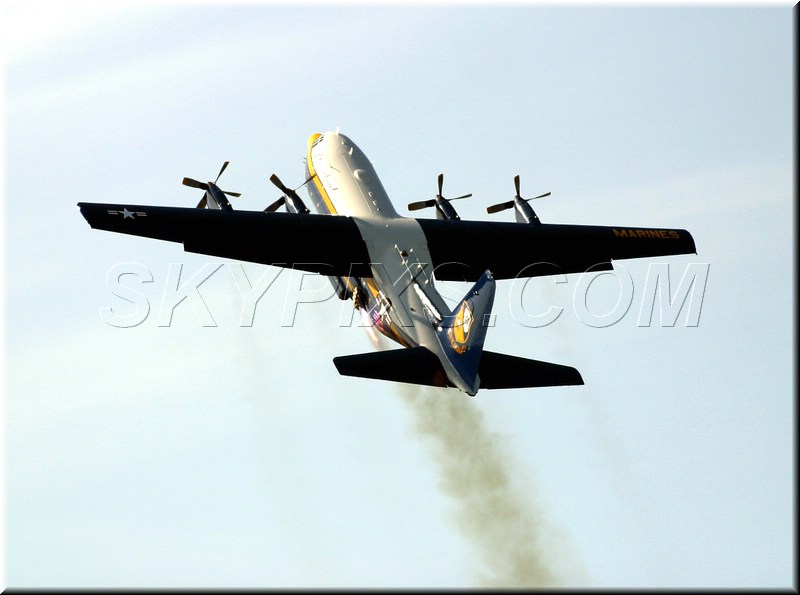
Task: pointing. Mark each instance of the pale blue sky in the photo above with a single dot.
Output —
(237, 457)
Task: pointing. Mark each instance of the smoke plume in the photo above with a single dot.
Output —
(506, 530)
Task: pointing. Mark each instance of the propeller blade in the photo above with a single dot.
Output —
(422, 204)
(500, 207)
(231, 193)
(277, 181)
(535, 197)
(441, 184)
(224, 165)
(194, 183)
(202, 203)
(516, 186)
(306, 182)
(276, 205)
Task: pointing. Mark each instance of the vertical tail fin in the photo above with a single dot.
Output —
(463, 333)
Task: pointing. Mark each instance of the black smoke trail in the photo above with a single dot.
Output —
(507, 530)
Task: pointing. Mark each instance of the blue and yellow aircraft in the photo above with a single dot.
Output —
(386, 263)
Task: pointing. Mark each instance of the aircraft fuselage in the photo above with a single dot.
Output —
(400, 298)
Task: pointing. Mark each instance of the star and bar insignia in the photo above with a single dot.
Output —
(126, 214)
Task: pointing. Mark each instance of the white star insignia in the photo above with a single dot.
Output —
(126, 214)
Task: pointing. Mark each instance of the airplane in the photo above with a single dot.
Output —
(387, 264)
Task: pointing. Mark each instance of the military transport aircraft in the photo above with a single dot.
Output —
(386, 263)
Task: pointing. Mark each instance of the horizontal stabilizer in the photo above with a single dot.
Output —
(415, 365)
(418, 365)
(498, 370)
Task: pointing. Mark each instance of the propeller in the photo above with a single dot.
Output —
(206, 185)
(507, 205)
(441, 203)
(290, 196)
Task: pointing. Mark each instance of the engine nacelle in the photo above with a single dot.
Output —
(295, 204)
(522, 210)
(343, 291)
(216, 199)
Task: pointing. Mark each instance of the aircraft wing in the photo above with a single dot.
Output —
(332, 244)
(463, 250)
(326, 244)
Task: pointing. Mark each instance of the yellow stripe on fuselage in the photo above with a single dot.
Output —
(312, 173)
(315, 178)
(372, 287)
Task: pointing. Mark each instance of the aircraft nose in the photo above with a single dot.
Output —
(334, 136)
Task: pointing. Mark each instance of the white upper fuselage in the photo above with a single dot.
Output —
(402, 287)
(352, 187)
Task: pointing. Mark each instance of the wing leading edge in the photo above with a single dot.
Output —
(326, 244)
(463, 250)
(332, 244)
